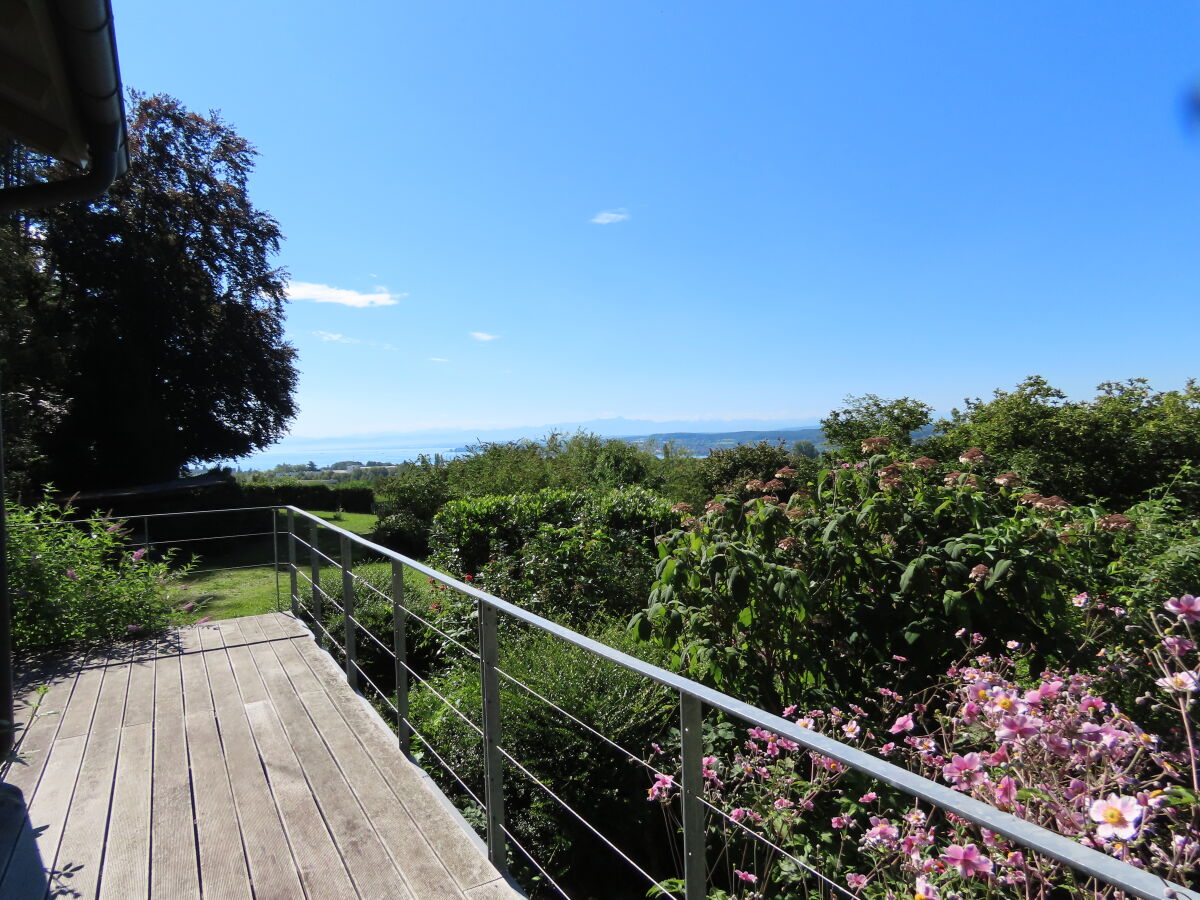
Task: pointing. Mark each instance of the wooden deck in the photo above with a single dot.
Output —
(228, 760)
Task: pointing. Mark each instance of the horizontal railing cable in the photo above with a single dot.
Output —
(454, 709)
(537, 865)
(367, 631)
(654, 882)
(325, 630)
(192, 572)
(378, 690)
(765, 840)
(445, 765)
(141, 516)
(317, 550)
(370, 587)
(584, 725)
(192, 540)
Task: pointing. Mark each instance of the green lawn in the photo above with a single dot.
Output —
(359, 523)
(250, 589)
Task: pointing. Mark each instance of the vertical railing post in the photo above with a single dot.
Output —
(146, 536)
(318, 607)
(293, 589)
(348, 633)
(275, 551)
(694, 870)
(400, 648)
(493, 761)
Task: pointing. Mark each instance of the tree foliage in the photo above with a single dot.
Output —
(165, 306)
(872, 416)
(1117, 446)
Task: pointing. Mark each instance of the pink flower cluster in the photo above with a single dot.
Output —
(1051, 749)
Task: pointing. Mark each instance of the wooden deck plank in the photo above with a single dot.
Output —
(77, 717)
(370, 864)
(43, 714)
(298, 671)
(173, 869)
(82, 846)
(273, 870)
(251, 629)
(248, 681)
(411, 786)
(231, 761)
(321, 868)
(401, 834)
(24, 875)
(46, 712)
(222, 859)
(48, 809)
(211, 635)
(126, 866)
(139, 697)
(196, 694)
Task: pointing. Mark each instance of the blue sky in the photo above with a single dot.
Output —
(530, 212)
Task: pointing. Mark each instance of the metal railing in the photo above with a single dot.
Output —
(693, 699)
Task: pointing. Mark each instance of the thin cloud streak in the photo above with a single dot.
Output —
(483, 336)
(438, 359)
(324, 293)
(336, 338)
(610, 216)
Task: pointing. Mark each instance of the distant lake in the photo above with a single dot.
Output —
(325, 457)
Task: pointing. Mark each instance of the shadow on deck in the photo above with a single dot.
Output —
(228, 760)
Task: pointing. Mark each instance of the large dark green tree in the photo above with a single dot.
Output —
(168, 309)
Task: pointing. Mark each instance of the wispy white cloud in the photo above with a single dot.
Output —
(336, 338)
(610, 216)
(437, 359)
(483, 336)
(324, 293)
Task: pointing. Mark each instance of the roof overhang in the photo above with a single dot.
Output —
(60, 94)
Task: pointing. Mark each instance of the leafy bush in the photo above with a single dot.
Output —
(409, 501)
(728, 471)
(815, 588)
(75, 583)
(1118, 446)
(572, 555)
(583, 770)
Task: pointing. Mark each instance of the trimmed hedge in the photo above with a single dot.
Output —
(308, 496)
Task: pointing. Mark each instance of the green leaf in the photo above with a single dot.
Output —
(998, 571)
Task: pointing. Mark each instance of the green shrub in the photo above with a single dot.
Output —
(75, 583)
(291, 492)
(808, 592)
(409, 499)
(727, 471)
(449, 611)
(571, 556)
(587, 773)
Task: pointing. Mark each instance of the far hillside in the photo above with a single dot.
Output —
(700, 444)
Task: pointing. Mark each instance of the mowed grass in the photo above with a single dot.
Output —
(241, 579)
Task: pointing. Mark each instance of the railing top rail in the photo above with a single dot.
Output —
(1084, 859)
(128, 516)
